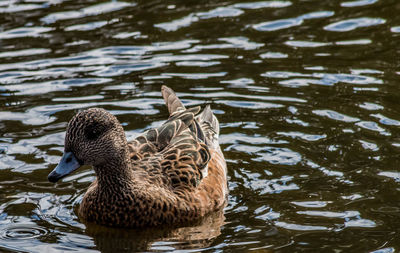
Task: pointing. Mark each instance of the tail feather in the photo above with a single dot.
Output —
(208, 116)
(209, 125)
(205, 126)
(172, 101)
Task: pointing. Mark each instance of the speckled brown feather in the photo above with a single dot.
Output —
(169, 175)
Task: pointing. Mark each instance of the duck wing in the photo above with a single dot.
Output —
(179, 149)
(205, 126)
(156, 139)
(172, 154)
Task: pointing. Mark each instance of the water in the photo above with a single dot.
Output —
(306, 92)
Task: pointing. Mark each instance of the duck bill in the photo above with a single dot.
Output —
(67, 165)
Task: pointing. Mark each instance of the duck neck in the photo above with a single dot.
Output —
(115, 173)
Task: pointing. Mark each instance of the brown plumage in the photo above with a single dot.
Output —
(168, 175)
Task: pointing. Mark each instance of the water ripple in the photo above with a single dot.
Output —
(352, 24)
(358, 3)
(87, 26)
(195, 75)
(385, 120)
(124, 69)
(395, 29)
(273, 55)
(178, 23)
(242, 138)
(317, 14)
(354, 42)
(290, 22)
(369, 145)
(12, 6)
(241, 82)
(390, 174)
(24, 52)
(220, 12)
(360, 223)
(125, 35)
(298, 43)
(276, 155)
(385, 250)
(263, 4)
(273, 186)
(311, 204)
(299, 227)
(373, 126)
(329, 214)
(111, 61)
(306, 137)
(56, 85)
(323, 78)
(30, 117)
(248, 104)
(233, 42)
(278, 24)
(335, 115)
(24, 32)
(23, 232)
(87, 11)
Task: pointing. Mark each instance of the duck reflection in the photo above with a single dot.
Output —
(198, 235)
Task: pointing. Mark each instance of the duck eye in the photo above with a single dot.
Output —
(91, 133)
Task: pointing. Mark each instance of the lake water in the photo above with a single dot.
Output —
(307, 93)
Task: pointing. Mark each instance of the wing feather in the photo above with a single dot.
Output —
(177, 152)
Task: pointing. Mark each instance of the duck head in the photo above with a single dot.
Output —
(93, 137)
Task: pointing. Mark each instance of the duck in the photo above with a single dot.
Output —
(169, 175)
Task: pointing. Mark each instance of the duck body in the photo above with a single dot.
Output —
(173, 174)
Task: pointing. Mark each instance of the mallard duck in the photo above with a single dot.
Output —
(172, 174)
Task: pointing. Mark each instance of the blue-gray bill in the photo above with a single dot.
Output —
(67, 165)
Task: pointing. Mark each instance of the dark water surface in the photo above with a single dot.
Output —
(307, 93)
